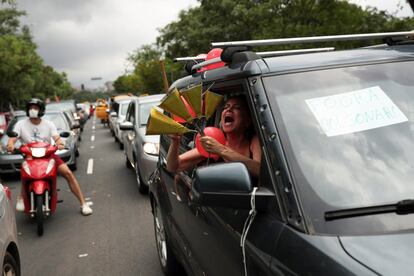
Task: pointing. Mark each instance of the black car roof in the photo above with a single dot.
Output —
(300, 62)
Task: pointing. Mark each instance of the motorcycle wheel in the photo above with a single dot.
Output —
(39, 214)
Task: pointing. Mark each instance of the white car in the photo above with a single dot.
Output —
(9, 252)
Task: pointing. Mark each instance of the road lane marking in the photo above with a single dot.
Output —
(92, 147)
(93, 138)
(90, 166)
(93, 127)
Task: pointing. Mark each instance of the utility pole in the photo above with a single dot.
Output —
(164, 75)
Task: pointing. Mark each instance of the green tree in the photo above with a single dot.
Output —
(226, 20)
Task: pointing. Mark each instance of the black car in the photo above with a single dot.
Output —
(335, 192)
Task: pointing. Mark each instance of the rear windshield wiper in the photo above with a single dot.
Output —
(402, 207)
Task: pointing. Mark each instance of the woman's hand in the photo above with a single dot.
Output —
(211, 145)
(175, 138)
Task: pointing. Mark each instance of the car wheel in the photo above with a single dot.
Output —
(121, 145)
(168, 261)
(127, 163)
(10, 266)
(142, 188)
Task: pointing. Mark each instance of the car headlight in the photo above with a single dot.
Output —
(38, 152)
(50, 165)
(151, 148)
(25, 167)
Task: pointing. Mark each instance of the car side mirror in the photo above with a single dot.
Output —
(113, 114)
(126, 126)
(227, 185)
(12, 133)
(64, 134)
(75, 126)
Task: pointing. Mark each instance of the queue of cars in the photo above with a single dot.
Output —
(66, 117)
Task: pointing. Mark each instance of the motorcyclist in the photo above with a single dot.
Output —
(36, 129)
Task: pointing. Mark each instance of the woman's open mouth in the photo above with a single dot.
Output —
(228, 120)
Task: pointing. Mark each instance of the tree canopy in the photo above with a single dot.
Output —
(226, 20)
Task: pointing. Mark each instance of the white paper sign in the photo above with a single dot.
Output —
(355, 111)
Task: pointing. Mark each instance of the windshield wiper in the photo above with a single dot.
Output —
(402, 207)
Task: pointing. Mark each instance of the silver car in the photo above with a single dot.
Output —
(9, 251)
(117, 118)
(11, 162)
(141, 151)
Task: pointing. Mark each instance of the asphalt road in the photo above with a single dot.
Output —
(117, 239)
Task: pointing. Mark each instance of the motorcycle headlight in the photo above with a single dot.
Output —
(151, 148)
(50, 165)
(38, 152)
(25, 167)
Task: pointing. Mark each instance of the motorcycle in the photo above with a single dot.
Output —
(39, 175)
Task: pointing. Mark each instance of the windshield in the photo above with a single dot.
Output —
(144, 111)
(58, 120)
(350, 133)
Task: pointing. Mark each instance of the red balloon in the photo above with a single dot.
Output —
(215, 133)
(214, 53)
(189, 109)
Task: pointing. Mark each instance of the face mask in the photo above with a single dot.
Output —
(33, 113)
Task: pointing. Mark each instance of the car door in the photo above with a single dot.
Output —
(211, 236)
(130, 134)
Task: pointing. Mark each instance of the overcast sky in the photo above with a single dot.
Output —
(92, 38)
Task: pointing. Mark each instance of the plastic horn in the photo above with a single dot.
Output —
(211, 102)
(193, 97)
(173, 104)
(159, 123)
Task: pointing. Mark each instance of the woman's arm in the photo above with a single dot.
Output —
(178, 163)
(230, 155)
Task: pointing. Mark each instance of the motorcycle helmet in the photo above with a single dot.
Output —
(39, 103)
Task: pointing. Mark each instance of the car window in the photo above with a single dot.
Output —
(349, 131)
(123, 109)
(131, 113)
(144, 111)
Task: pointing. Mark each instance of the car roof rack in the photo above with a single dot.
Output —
(181, 59)
(265, 54)
(294, 52)
(388, 37)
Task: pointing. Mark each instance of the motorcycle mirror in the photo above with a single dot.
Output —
(12, 133)
(65, 134)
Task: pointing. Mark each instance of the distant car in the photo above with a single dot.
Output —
(101, 110)
(9, 250)
(67, 105)
(141, 151)
(11, 162)
(117, 117)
